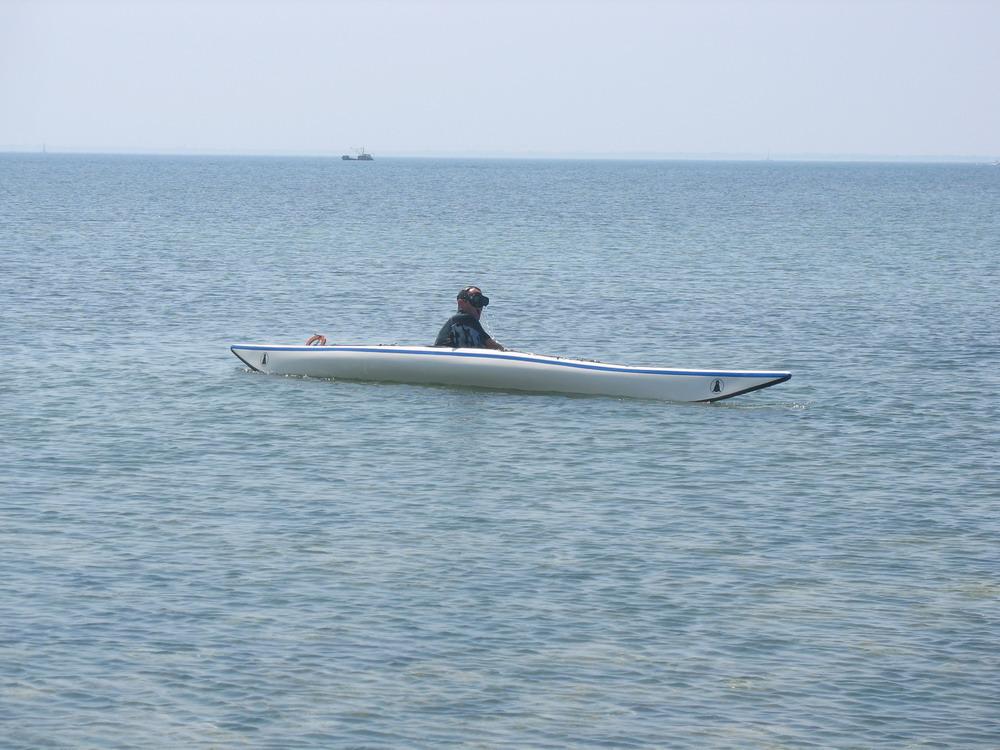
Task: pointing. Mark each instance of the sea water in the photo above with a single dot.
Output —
(196, 556)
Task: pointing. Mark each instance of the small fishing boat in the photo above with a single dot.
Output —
(508, 370)
(360, 155)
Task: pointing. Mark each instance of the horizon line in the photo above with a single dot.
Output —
(44, 149)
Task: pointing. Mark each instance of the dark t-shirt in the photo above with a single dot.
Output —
(462, 330)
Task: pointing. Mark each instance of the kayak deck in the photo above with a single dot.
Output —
(488, 368)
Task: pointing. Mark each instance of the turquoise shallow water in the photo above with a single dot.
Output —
(196, 556)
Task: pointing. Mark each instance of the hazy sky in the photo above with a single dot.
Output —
(431, 76)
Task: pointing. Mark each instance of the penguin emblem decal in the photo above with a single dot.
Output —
(718, 385)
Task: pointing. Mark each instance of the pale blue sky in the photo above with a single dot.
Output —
(430, 76)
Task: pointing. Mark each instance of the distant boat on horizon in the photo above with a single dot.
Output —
(362, 155)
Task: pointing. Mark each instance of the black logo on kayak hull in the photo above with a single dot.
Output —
(718, 386)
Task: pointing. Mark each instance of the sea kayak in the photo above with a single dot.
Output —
(508, 370)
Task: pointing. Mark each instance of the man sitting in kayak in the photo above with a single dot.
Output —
(464, 329)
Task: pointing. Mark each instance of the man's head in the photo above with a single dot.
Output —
(471, 300)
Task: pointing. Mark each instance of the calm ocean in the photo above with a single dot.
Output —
(194, 556)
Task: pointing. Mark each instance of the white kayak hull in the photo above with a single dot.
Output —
(487, 368)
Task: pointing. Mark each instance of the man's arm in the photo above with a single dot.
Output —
(494, 344)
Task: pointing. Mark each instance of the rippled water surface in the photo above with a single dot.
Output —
(196, 556)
